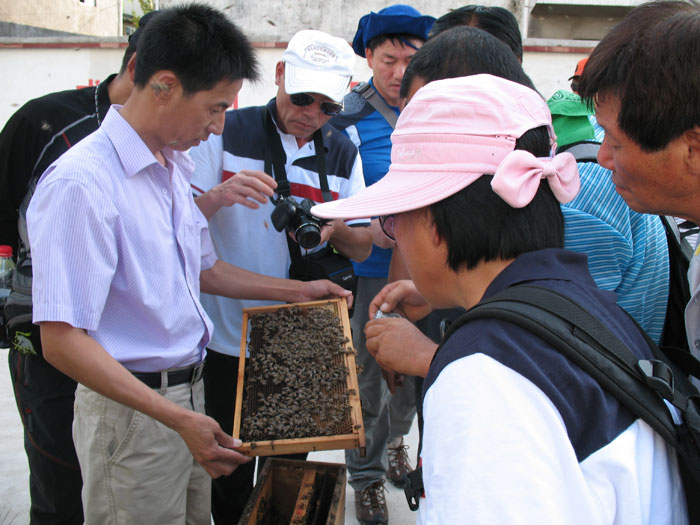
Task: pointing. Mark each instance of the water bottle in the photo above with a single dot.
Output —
(6, 268)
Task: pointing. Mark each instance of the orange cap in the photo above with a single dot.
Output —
(579, 67)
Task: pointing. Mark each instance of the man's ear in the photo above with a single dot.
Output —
(162, 83)
(692, 141)
(131, 67)
(369, 54)
(279, 73)
(427, 217)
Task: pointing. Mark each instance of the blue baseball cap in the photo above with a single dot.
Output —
(398, 18)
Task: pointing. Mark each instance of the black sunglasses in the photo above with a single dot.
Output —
(387, 224)
(327, 107)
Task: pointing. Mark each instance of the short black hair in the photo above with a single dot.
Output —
(490, 229)
(463, 51)
(650, 61)
(197, 43)
(134, 38)
(396, 39)
(497, 21)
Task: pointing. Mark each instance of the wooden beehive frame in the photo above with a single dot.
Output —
(292, 446)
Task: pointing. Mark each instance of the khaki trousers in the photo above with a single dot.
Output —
(135, 469)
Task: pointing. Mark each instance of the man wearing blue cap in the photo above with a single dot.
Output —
(388, 39)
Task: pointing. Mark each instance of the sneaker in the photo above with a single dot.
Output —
(399, 464)
(370, 505)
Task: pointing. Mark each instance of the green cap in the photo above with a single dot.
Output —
(570, 118)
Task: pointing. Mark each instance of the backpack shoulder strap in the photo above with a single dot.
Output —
(377, 102)
(638, 384)
(680, 252)
(646, 387)
(674, 231)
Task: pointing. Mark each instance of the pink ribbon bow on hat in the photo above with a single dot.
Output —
(517, 178)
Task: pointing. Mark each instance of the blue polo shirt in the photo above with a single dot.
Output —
(371, 133)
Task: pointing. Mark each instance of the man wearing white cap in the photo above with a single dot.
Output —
(514, 432)
(235, 168)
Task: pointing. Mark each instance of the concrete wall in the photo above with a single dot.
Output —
(92, 17)
(34, 71)
(275, 20)
(278, 20)
(31, 72)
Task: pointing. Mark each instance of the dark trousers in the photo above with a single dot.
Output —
(45, 399)
(229, 494)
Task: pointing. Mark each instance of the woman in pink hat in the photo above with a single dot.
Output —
(514, 432)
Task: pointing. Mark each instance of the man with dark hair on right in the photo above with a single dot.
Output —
(35, 136)
(644, 81)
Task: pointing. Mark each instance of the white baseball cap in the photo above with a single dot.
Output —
(316, 62)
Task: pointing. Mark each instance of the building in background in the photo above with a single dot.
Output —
(265, 20)
(278, 20)
(51, 45)
(570, 20)
(51, 17)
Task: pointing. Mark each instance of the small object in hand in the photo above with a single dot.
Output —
(385, 315)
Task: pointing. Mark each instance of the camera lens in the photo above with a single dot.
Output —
(308, 235)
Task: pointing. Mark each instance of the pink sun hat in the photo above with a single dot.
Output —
(451, 133)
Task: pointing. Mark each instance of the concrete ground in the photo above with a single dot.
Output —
(399, 513)
(14, 473)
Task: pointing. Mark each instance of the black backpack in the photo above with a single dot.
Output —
(643, 386)
(680, 253)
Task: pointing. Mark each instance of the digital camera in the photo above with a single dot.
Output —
(296, 218)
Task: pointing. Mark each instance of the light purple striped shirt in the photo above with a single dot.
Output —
(117, 247)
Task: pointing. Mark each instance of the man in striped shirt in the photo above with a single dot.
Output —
(120, 254)
(34, 137)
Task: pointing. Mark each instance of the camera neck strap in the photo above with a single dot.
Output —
(275, 158)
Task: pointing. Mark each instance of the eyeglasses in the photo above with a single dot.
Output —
(387, 224)
(327, 107)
